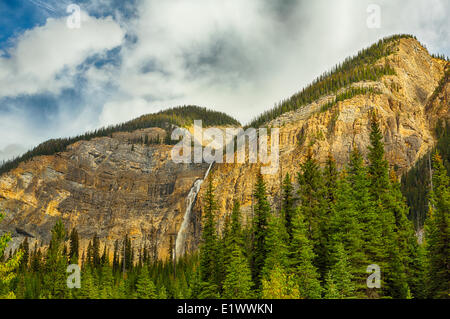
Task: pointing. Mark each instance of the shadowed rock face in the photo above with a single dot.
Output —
(107, 186)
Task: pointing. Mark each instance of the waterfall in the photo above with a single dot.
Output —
(180, 245)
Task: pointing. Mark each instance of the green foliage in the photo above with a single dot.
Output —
(54, 282)
(145, 288)
(348, 94)
(280, 285)
(277, 240)
(438, 232)
(209, 247)
(238, 280)
(415, 183)
(7, 268)
(260, 224)
(302, 257)
(288, 204)
(339, 281)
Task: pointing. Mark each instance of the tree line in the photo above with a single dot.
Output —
(178, 116)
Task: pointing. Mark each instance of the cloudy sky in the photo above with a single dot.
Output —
(134, 57)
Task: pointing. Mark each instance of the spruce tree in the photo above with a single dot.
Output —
(438, 232)
(74, 246)
(301, 260)
(347, 231)
(288, 204)
(313, 208)
(236, 228)
(260, 222)
(208, 248)
(280, 285)
(277, 241)
(107, 282)
(391, 261)
(369, 222)
(55, 285)
(311, 195)
(88, 288)
(330, 178)
(224, 252)
(406, 245)
(96, 251)
(331, 290)
(340, 275)
(162, 294)
(238, 279)
(8, 267)
(25, 248)
(145, 288)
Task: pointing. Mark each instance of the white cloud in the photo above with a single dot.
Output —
(115, 112)
(45, 58)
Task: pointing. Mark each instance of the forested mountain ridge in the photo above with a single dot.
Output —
(124, 185)
(181, 116)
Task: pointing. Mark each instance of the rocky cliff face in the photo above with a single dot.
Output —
(107, 186)
(408, 109)
(104, 186)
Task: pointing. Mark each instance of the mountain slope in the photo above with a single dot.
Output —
(408, 103)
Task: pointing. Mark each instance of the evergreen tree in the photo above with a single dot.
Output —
(406, 245)
(438, 232)
(311, 195)
(145, 288)
(280, 285)
(116, 256)
(347, 232)
(74, 246)
(224, 252)
(391, 260)
(341, 278)
(236, 229)
(162, 294)
(25, 248)
(96, 259)
(260, 221)
(302, 256)
(288, 204)
(7, 268)
(55, 285)
(313, 208)
(238, 279)
(378, 167)
(208, 248)
(277, 246)
(88, 288)
(331, 290)
(107, 282)
(330, 178)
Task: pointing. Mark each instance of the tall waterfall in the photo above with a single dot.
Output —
(180, 243)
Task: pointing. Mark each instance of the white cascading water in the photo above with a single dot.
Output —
(181, 236)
